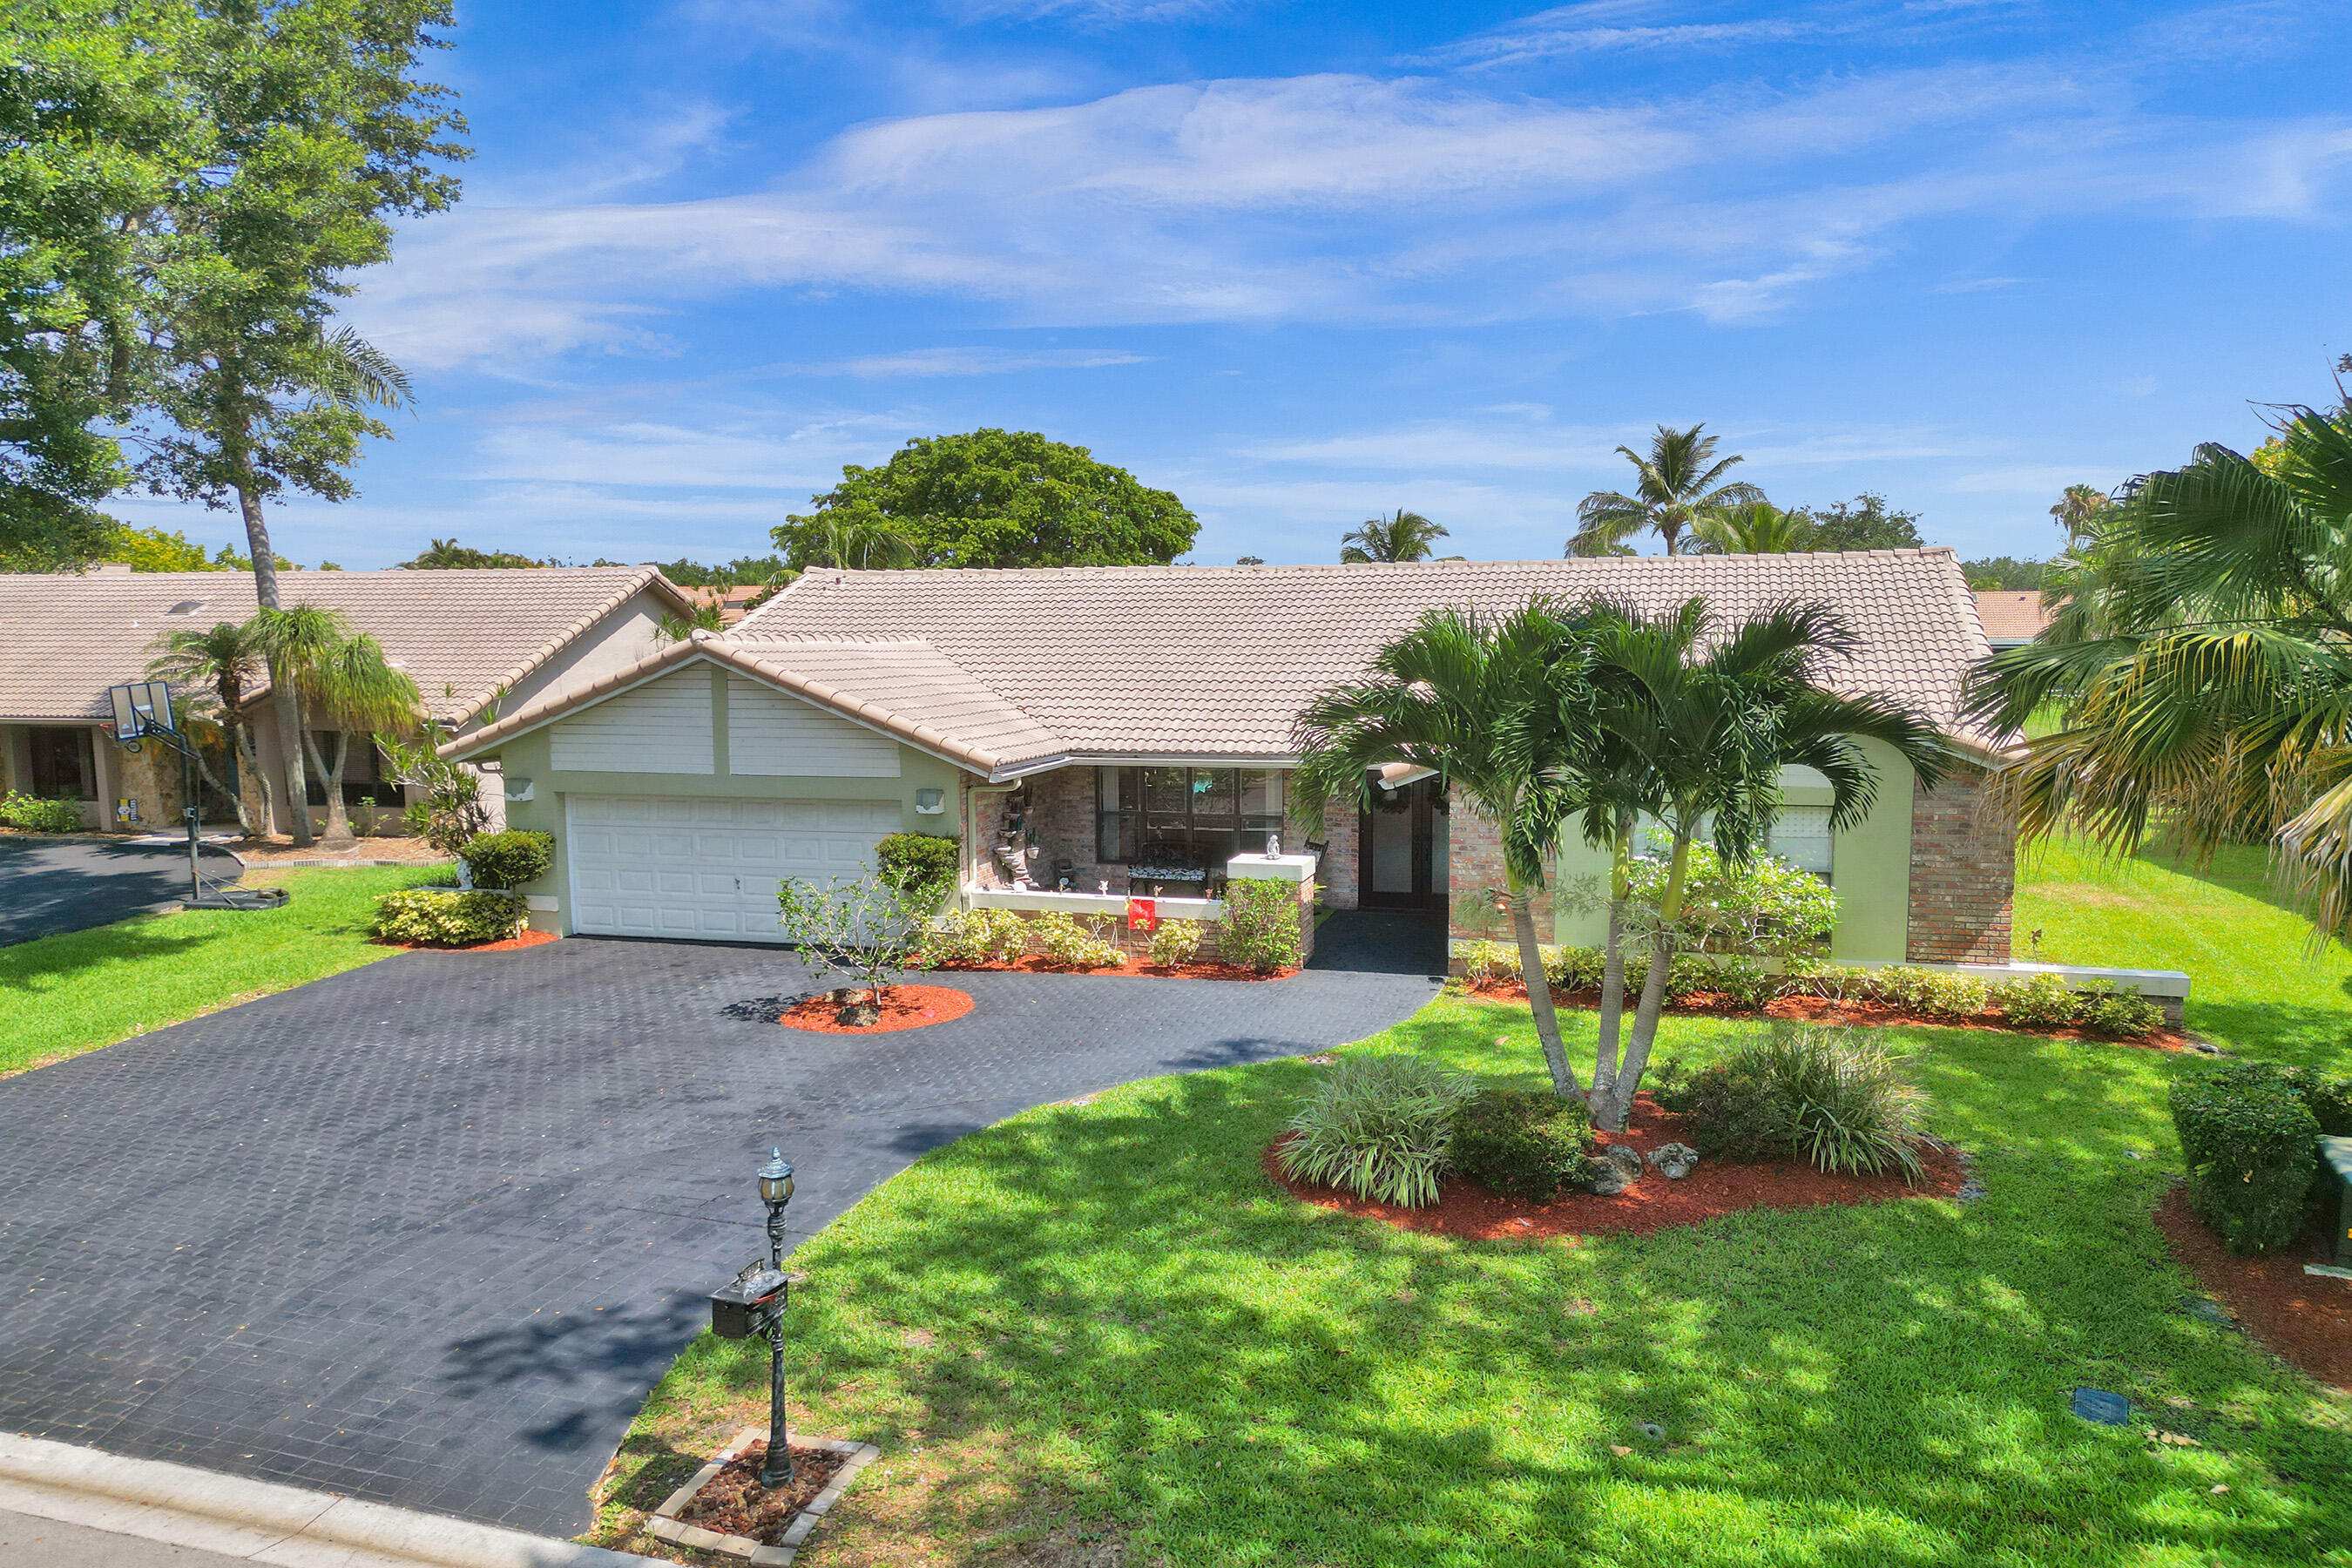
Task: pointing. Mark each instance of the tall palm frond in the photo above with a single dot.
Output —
(1679, 484)
(1401, 536)
(1758, 528)
(353, 373)
(2201, 669)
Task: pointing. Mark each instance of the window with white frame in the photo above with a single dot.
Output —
(1800, 836)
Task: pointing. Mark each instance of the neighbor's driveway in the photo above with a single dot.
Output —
(426, 1232)
(52, 885)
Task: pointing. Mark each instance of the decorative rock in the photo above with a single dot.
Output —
(1675, 1161)
(859, 1016)
(1619, 1168)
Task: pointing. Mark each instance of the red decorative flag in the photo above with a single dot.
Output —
(1143, 914)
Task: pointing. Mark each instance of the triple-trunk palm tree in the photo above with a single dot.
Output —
(1401, 536)
(1693, 722)
(1618, 718)
(1677, 486)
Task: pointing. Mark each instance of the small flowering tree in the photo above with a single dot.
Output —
(866, 926)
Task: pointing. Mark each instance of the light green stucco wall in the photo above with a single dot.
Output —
(1870, 867)
(527, 756)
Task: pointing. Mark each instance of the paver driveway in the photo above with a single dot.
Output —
(51, 885)
(426, 1232)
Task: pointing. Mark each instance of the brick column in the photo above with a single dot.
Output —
(1963, 875)
(1337, 831)
(1474, 861)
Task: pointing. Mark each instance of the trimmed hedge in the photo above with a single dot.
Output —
(1523, 1142)
(31, 813)
(1260, 925)
(2249, 1141)
(448, 916)
(508, 860)
(1175, 943)
(921, 863)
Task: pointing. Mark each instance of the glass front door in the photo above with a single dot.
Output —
(1399, 855)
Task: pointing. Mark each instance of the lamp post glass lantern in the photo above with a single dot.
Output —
(776, 1191)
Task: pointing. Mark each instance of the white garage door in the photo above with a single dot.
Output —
(648, 865)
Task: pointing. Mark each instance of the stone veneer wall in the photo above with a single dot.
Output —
(1474, 859)
(1963, 875)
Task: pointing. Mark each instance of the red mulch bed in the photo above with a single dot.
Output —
(903, 1007)
(528, 939)
(1036, 965)
(732, 1503)
(2304, 1318)
(1823, 1010)
(1717, 1187)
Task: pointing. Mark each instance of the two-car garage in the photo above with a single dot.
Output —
(708, 868)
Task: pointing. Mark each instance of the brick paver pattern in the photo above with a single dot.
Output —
(426, 1233)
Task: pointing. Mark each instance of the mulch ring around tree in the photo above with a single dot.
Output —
(1129, 968)
(1715, 1187)
(903, 1007)
(526, 938)
(2304, 1319)
(732, 1502)
(1827, 1010)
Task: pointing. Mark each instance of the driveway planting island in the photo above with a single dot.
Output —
(426, 1232)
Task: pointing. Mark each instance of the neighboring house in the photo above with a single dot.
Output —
(2010, 619)
(732, 603)
(1131, 727)
(472, 641)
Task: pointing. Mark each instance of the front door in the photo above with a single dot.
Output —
(1398, 856)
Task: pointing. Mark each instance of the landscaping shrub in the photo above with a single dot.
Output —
(2113, 1011)
(1062, 940)
(508, 860)
(1175, 942)
(1486, 963)
(1260, 925)
(1926, 992)
(921, 864)
(973, 936)
(31, 813)
(1741, 982)
(1668, 1082)
(1767, 907)
(2329, 1100)
(1729, 1111)
(1835, 1098)
(1380, 1127)
(448, 915)
(1523, 1143)
(1572, 968)
(2040, 1002)
(2248, 1138)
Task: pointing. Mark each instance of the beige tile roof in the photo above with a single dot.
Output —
(1213, 661)
(64, 638)
(1005, 670)
(2011, 617)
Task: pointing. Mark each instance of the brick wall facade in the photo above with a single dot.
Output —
(1339, 833)
(1963, 875)
(1474, 864)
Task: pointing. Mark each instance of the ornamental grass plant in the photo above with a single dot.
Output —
(1380, 1127)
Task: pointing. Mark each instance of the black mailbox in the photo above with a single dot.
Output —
(740, 1308)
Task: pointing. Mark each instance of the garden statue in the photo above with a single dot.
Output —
(1274, 846)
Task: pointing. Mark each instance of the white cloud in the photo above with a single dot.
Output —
(1341, 198)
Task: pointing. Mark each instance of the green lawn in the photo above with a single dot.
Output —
(1100, 1326)
(61, 996)
(2253, 984)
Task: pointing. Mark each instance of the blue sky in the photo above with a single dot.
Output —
(1302, 263)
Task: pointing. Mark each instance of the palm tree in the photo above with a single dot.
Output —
(342, 682)
(1759, 528)
(1693, 721)
(2078, 510)
(2201, 663)
(223, 660)
(1491, 706)
(871, 543)
(1401, 536)
(1677, 486)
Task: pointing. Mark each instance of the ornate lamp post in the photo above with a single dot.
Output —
(753, 1303)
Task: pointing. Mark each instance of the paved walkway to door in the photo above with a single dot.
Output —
(426, 1232)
